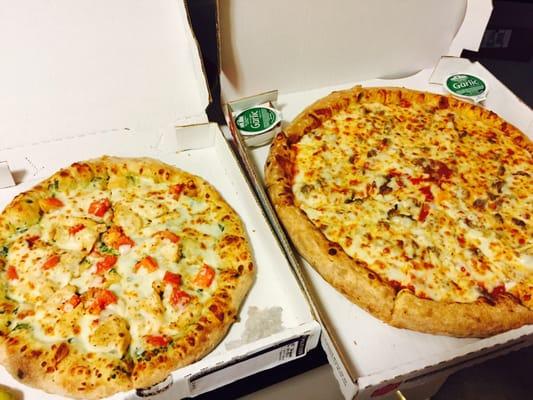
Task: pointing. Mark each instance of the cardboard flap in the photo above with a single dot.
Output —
(302, 44)
(70, 68)
(475, 21)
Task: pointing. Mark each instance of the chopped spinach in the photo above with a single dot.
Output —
(22, 326)
(21, 229)
(105, 249)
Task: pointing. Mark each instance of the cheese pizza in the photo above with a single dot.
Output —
(417, 207)
(115, 272)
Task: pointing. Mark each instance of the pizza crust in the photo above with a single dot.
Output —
(60, 368)
(361, 286)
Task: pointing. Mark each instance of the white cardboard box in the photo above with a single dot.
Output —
(118, 77)
(368, 357)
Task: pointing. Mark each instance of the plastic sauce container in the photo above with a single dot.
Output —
(467, 86)
(258, 124)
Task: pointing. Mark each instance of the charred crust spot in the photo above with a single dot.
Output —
(313, 125)
(240, 268)
(218, 313)
(293, 139)
(323, 112)
(250, 266)
(64, 173)
(332, 251)
(61, 352)
(190, 339)
(371, 276)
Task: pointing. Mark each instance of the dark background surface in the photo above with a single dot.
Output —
(507, 52)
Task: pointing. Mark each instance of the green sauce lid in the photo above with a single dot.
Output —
(466, 86)
(257, 120)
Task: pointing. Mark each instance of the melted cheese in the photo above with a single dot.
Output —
(425, 206)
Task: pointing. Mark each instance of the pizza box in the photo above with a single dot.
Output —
(125, 78)
(368, 357)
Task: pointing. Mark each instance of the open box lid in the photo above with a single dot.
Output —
(302, 44)
(75, 68)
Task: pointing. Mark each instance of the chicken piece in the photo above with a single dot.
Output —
(127, 219)
(112, 333)
(61, 313)
(71, 233)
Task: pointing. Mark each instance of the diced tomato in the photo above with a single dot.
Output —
(50, 203)
(424, 212)
(100, 299)
(172, 278)
(106, 264)
(205, 276)
(176, 190)
(159, 341)
(12, 273)
(75, 229)
(51, 262)
(116, 237)
(124, 241)
(147, 262)
(74, 300)
(426, 191)
(25, 313)
(179, 298)
(54, 202)
(99, 207)
(168, 235)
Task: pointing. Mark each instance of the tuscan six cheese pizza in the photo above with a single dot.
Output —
(113, 273)
(416, 206)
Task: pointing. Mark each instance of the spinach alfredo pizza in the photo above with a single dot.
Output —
(417, 207)
(115, 272)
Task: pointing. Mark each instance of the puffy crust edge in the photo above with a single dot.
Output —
(478, 319)
(403, 309)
